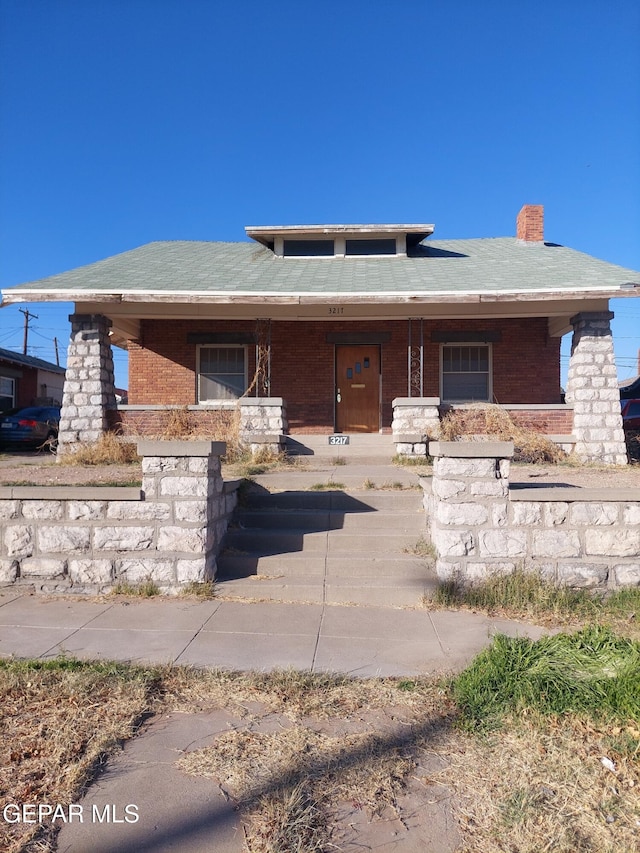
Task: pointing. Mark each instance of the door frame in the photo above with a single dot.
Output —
(336, 346)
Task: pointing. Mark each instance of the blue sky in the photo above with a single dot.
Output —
(126, 121)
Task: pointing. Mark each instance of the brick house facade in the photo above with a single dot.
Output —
(337, 324)
(163, 365)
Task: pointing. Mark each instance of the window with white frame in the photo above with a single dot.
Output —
(222, 372)
(465, 373)
(7, 393)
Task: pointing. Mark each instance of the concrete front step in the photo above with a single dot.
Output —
(371, 447)
(396, 567)
(336, 547)
(261, 542)
(372, 591)
(310, 521)
(388, 500)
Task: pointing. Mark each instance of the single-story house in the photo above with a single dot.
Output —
(27, 381)
(347, 328)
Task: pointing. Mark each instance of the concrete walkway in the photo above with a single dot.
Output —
(178, 813)
(361, 641)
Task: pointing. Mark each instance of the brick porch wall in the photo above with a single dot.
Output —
(548, 422)
(162, 365)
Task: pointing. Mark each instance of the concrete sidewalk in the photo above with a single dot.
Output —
(180, 813)
(360, 641)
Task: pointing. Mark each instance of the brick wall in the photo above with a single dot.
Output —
(162, 365)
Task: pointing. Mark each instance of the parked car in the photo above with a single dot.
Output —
(30, 427)
(631, 414)
(632, 391)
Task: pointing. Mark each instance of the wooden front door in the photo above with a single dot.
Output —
(358, 388)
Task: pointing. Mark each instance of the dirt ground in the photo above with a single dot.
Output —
(42, 469)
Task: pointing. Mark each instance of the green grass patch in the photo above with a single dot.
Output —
(412, 461)
(200, 589)
(327, 487)
(592, 672)
(523, 594)
(145, 589)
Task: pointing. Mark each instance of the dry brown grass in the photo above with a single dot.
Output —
(182, 423)
(540, 785)
(110, 449)
(294, 775)
(493, 422)
(57, 723)
(536, 785)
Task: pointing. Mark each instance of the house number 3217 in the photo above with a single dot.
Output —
(336, 309)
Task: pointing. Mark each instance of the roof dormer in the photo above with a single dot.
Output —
(339, 241)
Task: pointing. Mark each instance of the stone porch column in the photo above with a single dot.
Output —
(89, 389)
(592, 390)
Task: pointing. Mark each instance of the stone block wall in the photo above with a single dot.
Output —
(415, 421)
(480, 526)
(86, 540)
(263, 421)
(592, 390)
(89, 392)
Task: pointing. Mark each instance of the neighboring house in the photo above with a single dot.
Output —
(342, 324)
(25, 381)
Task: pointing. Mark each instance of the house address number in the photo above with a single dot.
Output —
(336, 309)
(338, 439)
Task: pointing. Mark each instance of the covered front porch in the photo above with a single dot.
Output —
(297, 376)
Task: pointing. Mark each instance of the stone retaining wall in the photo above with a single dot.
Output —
(86, 540)
(480, 525)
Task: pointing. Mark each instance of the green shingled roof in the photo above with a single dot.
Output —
(497, 265)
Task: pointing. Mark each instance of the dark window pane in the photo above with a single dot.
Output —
(299, 248)
(465, 387)
(222, 373)
(465, 374)
(371, 247)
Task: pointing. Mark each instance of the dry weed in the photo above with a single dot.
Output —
(541, 786)
(59, 719)
(180, 422)
(110, 449)
(494, 422)
(267, 773)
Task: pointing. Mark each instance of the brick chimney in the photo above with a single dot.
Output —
(530, 224)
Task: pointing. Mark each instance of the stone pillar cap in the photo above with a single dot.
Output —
(472, 449)
(416, 401)
(181, 448)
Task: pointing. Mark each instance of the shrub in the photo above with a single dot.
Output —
(494, 422)
(110, 449)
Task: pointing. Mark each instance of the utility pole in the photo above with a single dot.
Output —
(55, 344)
(27, 314)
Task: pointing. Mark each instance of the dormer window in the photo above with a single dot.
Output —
(308, 248)
(381, 246)
(340, 241)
